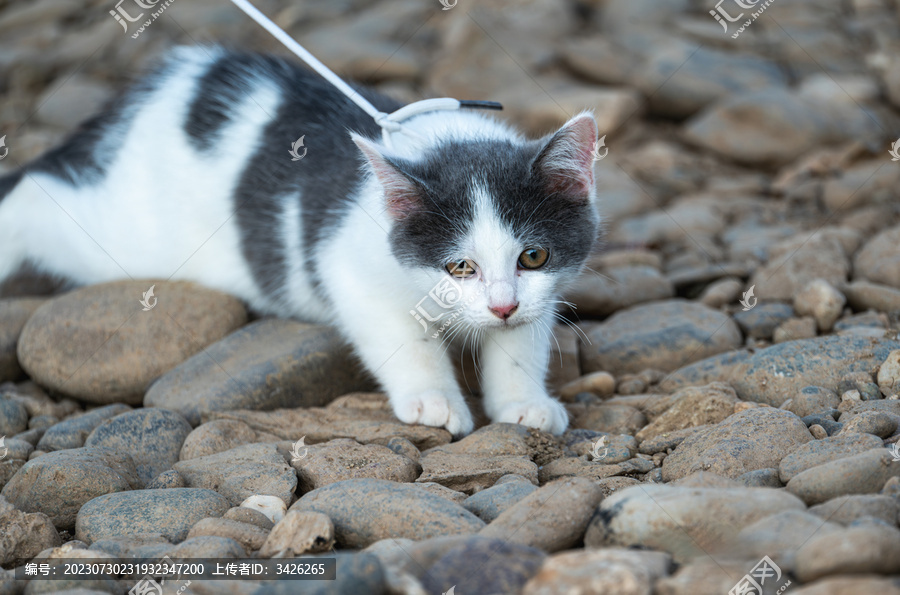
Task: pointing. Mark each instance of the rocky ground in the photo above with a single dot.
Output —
(704, 435)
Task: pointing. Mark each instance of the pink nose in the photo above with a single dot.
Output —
(504, 312)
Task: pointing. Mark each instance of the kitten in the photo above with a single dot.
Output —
(466, 236)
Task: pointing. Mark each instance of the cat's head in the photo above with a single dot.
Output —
(491, 229)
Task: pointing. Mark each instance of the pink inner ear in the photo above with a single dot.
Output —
(401, 195)
(567, 161)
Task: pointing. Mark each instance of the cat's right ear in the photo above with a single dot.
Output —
(402, 195)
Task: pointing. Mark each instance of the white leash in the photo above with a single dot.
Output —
(389, 123)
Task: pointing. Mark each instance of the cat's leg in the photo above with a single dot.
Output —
(513, 368)
(412, 367)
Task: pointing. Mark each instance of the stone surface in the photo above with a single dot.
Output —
(266, 365)
(25, 535)
(171, 513)
(860, 549)
(774, 374)
(862, 295)
(384, 509)
(242, 472)
(14, 313)
(761, 321)
(864, 473)
(552, 518)
(71, 433)
(877, 261)
(249, 536)
(663, 335)
(821, 301)
(878, 423)
(364, 417)
(752, 439)
(59, 483)
(95, 343)
(691, 407)
(889, 374)
(490, 503)
(811, 400)
(469, 473)
(618, 288)
(463, 567)
(818, 452)
(216, 436)
(847, 509)
(608, 570)
(337, 460)
(796, 261)
(153, 438)
(683, 521)
(602, 384)
(299, 533)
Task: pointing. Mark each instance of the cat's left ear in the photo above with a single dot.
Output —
(402, 195)
(566, 161)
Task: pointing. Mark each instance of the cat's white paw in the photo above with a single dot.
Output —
(544, 413)
(434, 408)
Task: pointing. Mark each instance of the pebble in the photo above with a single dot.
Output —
(761, 478)
(133, 545)
(237, 474)
(722, 292)
(25, 535)
(847, 509)
(106, 320)
(602, 384)
(825, 422)
(439, 490)
(359, 573)
(821, 301)
(795, 329)
(705, 575)
(59, 483)
(299, 532)
(364, 417)
(780, 535)
(166, 479)
(384, 509)
(617, 288)
(774, 374)
(863, 295)
(752, 439)
(72, 432)
(610, 570)
(865, 548)
(864, 473)
(171, 513)
(464, 567)
(691, 407)
(879, 423)
(153, 438)
(822, 451)
(610, 418)
(761, 321)
(850, 585)
(404, 447)
(796, 261)
(271, 507)
(337, 460)
(13, 417)
(664, 335)
(718, 367)
(14, 313)
(877, 260)
(667, 441)
(812, 399)
(553, 518)
(251, 516)
(216, 436)
(889, 374)
(658, 516)
(208, 546)
(271, 363)
(489, 503)
(249, 536)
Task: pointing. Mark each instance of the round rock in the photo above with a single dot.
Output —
(170, 512)
(663, 335)
(128, 347)
(153, 438)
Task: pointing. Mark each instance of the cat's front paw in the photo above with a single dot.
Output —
(541, 412)
(434, 408)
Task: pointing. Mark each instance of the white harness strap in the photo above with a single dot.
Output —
(390, 123)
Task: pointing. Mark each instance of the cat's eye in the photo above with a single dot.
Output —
(461, 269)
(533, 258)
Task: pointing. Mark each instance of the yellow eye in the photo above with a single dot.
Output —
(461, 269)
(533, 258)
